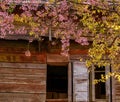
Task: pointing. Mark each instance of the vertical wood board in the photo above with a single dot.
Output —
(80, 82)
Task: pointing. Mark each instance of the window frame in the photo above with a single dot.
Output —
(107, 86)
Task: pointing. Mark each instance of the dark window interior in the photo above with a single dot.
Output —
(100, 89)
(57, 82)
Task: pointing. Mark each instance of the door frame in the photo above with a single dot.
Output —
(57, 59)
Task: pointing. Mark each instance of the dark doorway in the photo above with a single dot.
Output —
(57, 82)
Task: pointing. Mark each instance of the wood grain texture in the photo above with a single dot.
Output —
(56, 58)
(116, 91)
(17, 58)
(25, 88)
(22, 65)
(57, 100)
(80, 82)
(22, 82)
(30, 71)
(21, 97)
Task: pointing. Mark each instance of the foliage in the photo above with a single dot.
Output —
(80, 20)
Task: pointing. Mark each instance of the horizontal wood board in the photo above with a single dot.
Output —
(116, 92)
(22, 82)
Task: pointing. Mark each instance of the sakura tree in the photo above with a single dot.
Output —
(81, 20)
(57, 19)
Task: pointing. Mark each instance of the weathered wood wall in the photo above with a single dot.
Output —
(116, 90)
(22, 82)
(22, 78)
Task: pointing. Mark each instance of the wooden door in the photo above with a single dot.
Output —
(80, 82)
(22, 82)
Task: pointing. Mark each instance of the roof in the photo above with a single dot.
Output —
(18, 37)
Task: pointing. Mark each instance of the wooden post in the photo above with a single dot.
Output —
(69, 83)
(108, 89)
(93, 86)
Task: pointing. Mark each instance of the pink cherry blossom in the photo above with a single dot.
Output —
(27, 53)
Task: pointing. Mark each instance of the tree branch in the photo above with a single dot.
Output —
(114, 40)
(109, 10)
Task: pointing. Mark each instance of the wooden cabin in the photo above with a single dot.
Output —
(47, 76)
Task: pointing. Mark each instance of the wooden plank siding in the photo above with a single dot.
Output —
(23, 79)
(21, 97)
(116, 92)
(17, 58)
(22, 82)
(57, 100)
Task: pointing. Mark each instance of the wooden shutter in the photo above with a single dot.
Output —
(22, 82)
(80, 82)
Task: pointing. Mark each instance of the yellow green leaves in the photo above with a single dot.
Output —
(89, 63)
(51, 0)
(18, 18)
(32, 33)
(11, 8)
(103, 78)
(115, 27)
(22, 19)
(25, 20)
(76, 1)
(97, 51)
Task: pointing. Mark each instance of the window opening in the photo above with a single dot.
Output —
(57, 82)
(100, 88)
